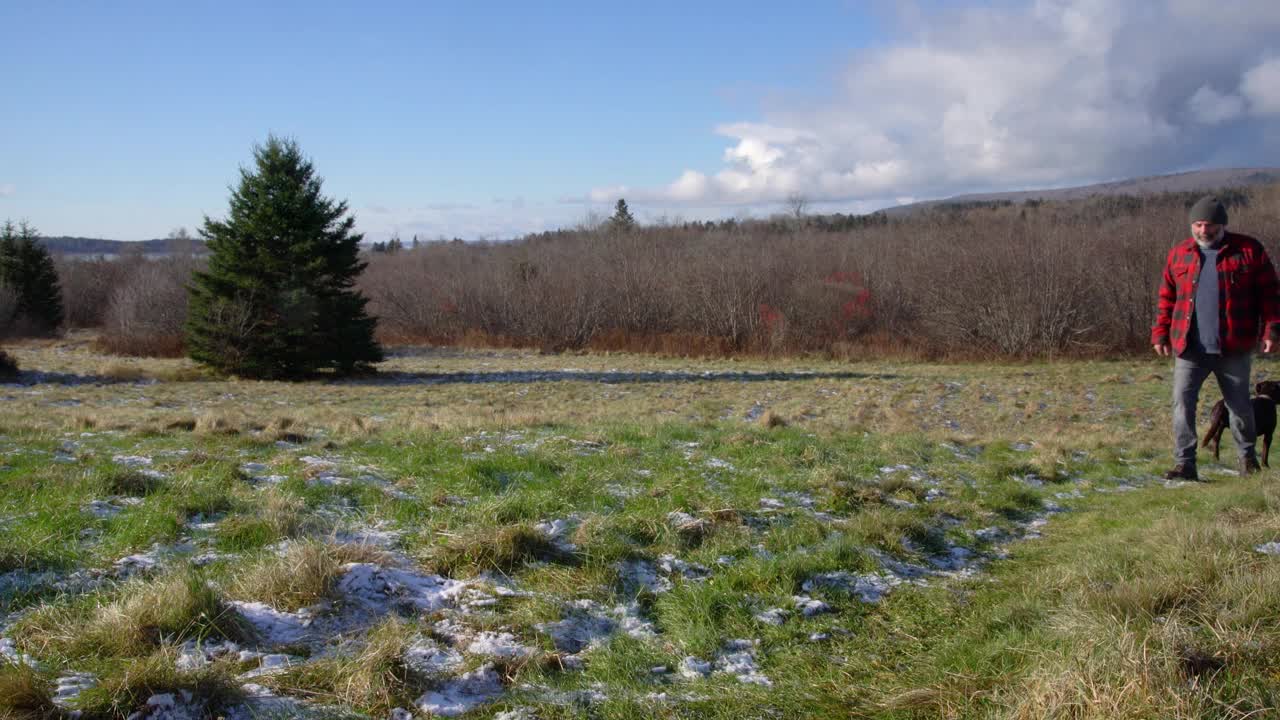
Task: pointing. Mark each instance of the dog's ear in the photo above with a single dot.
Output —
(1260, 388)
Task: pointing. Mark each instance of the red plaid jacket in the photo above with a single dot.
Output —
(1247, 295)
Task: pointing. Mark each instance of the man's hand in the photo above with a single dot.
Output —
(1267, 345)
(1163, 349)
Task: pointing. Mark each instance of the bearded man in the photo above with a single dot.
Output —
(1217, 296)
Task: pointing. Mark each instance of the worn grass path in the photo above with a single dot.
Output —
(514, 535)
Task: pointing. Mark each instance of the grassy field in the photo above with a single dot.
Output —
(514, 535)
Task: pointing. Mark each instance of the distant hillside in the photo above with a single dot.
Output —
(98, 246)
(1179, 182)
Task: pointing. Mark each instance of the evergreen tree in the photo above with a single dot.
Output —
(622, 219)
(278, 299)
(27, 271)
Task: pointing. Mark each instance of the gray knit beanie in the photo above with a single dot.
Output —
(1209, 209)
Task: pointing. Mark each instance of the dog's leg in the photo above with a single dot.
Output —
(1266, 450)
(1217, 424)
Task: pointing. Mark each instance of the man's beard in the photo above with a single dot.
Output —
(1213, 242)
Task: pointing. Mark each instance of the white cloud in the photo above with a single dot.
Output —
(1211, 107)
(7, 189)
(1042, 93)
(1261, 85)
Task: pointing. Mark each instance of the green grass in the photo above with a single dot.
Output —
(1142, 603)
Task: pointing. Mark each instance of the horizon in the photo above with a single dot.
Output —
(440, 122)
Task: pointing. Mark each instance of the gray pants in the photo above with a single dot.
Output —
(1189, 372)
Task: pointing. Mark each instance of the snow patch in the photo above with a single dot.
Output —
(774, 616)
(68, 687)
(673, 565)
(504, 646)
(132, 461)
(9, 652)
(168, 706)
(378, 587)
(810, 607)
(739, 660)
(694, 668)
(467, 692)
(587, 624)
(427, 658)
(194, 655)
(556, 530)
(271, 664)
(641, 575)
(275, 627)
(868, 587)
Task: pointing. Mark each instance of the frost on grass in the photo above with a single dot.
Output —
(154, 558)
(805, 605)
(110, 507)
(673, 565)
(366, 593)
(774, 616)
(463, 694)
(9, 653)
(737, 659)
(810, 607)
(271, 664)
(378, 536)
(19, 581)
(194, 654)
(171, 706)
(275, 627)
(381, 588)
(587, 624)
(131, 461)
(503, 646)
(644, 576)
(557, 530)
(519, 713)
(694, 668)
(428, 659)
(261, 703)
(67, 688)
(683, 522)
(641, 576)
(867, 587)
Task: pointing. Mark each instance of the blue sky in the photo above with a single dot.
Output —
(126, 120)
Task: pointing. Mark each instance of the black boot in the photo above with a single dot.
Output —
(1249, 464)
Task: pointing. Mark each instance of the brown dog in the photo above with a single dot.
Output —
(1264, 418)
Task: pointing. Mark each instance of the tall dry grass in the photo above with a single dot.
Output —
(981, 281)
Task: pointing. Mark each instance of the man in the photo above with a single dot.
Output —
(1217, 294)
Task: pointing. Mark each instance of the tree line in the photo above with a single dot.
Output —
(984, 280)
(286, 291)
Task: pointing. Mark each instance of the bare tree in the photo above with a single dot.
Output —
(797, 204)
(146, 314)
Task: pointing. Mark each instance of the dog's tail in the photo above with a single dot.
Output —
(1214, 431)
